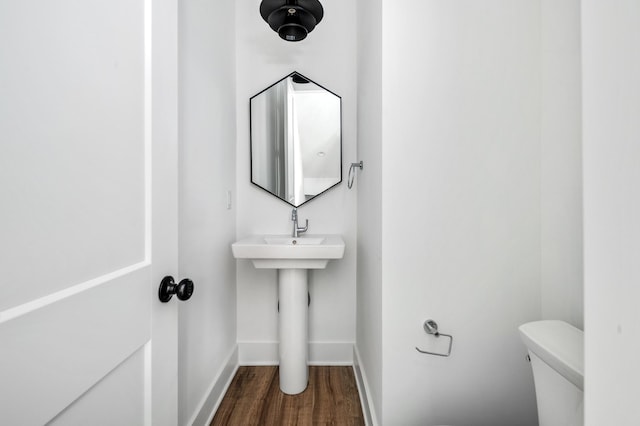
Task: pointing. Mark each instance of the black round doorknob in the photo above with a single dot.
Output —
(168, 287)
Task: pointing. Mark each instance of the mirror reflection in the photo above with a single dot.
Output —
(296, 139)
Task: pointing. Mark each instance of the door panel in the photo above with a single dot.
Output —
(88, 224)
(50, 357)
(115, 400)
(72, 129)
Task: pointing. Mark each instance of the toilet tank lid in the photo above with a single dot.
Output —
(559, 344)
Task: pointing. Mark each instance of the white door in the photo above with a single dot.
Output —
(88, 223)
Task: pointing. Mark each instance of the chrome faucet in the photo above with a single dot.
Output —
(296, 229)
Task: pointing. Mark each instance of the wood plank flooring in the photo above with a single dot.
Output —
(254, 399)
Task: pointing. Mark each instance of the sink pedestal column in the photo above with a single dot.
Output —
(293, 329)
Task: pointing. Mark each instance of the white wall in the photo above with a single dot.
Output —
(611, 128)
(207, 170)
(480, 113)
(460, 209)
(368, 183)
(327, 57)
(561, 163)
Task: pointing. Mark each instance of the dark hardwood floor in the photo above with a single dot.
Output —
(254, 398)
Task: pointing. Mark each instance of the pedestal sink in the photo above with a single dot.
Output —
(292, 257)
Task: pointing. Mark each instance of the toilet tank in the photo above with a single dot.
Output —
(556, 350)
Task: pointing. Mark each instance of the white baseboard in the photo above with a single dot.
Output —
(363, 389)
(320, 353)
(216, 391)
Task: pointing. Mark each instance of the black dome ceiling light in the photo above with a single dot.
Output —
(292, 19)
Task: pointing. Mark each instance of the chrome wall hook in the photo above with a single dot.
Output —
(431, 327)
(352, 173)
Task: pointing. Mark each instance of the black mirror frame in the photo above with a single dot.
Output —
(294, 73)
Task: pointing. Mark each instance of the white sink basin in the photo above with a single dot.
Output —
(285, 252)
(310, 241)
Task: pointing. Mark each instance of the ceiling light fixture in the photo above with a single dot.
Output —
(292, 19)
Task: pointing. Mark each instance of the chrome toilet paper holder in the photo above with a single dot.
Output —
(431, 327)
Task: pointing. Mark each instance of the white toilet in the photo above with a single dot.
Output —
(556, 351)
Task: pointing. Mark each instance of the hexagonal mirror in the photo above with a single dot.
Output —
(296, 139)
